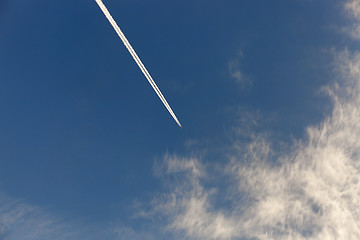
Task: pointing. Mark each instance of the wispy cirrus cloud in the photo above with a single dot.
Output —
(22, 220)
(311, 190)
(236, 73)
(352, 7)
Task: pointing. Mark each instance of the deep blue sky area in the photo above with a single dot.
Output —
(80, 126)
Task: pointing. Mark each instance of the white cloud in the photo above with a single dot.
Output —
(21, 220)
(353, 8)
(130, 233)
(310, 191)
(191, 143)
(236, 73)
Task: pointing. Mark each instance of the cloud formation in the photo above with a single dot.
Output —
(19, 220)
(310, 191)
(352, 7)
(236, 73)
(25, 221)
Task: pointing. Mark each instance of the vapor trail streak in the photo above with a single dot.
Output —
(136, 58)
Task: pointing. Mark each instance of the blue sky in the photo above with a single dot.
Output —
(267, 93)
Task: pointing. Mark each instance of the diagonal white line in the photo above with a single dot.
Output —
(136, 58)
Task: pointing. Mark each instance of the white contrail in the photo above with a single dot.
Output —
(136, 58)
